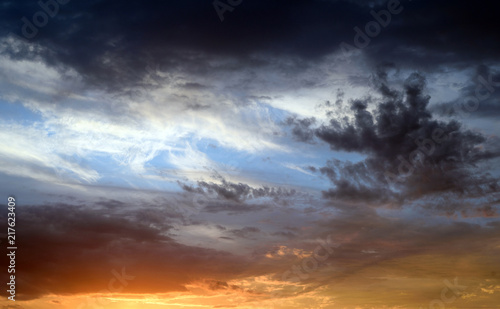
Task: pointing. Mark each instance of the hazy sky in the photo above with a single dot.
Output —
(251, 153)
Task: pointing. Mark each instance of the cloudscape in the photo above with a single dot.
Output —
(250, 154)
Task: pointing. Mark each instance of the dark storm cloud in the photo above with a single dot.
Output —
(70, 249)
(409, 154)
(440, 33)
(355, 182)
(113, 43)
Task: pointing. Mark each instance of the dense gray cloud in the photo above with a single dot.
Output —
(63, 242)
(116, 45)
(237, 191)
(409, 153)
(301, 128)
(236, 198)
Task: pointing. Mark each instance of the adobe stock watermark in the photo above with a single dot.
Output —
(222, 7)
(301, 271)
(448, 295)
(372, 29)
(40, 19)
(310, 264)
(115, 285)
(484, 88)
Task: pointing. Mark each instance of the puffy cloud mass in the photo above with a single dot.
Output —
(409, 154)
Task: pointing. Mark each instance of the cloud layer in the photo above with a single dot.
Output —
(296, 154)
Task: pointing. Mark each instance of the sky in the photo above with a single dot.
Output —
(335, 154)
